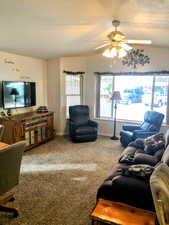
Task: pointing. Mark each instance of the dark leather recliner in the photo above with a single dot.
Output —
(81, 128)
(150, 126)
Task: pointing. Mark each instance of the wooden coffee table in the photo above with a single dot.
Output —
(116, 213)
(3, 145)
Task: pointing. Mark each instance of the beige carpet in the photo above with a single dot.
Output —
(59, 181)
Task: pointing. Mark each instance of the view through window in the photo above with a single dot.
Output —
(139, 94)
(73, 85)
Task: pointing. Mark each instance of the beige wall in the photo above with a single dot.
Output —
(159, 61)
(56, 87)
(20, 68)
(53, 91)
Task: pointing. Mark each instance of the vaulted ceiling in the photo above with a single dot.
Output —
(51, 28)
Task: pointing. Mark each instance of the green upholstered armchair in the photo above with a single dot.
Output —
(10, 162)
(159, 182)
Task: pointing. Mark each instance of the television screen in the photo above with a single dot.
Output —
(18, 94)
(13, 94)
(30, 94)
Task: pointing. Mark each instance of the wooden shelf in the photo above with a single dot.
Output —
(35, 128)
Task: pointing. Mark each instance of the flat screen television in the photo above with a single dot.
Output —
(18, 94)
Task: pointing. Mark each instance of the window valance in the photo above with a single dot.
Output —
(73, 73)
(149, 73)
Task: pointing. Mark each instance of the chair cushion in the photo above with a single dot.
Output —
(155, 118)
(145, 126)
(86, 130)
(79, 114)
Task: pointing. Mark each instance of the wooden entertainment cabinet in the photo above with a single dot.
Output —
(35, 128)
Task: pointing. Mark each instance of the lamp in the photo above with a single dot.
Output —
(115, 98)
(119, 50)
(14, 92)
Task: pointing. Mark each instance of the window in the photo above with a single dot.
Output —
(104, 95)
(73, 86)
(139, 94)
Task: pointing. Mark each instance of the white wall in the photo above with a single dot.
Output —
(21, 68)
(97, 63)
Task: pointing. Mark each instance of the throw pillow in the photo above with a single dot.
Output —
(127, 158)
(141, 171)
(138, 143)
(154, 143)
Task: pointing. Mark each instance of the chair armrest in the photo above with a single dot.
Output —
(131, 127)
(93, 123)
(143, 158)
(143, 134)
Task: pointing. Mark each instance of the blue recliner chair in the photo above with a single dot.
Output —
(81, 128)
(150, 126)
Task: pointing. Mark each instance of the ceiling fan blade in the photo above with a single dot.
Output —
(102, 46)
(125, 46)
(106, 40)
(142, 42)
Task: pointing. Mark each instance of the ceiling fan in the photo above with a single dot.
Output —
(117, 44)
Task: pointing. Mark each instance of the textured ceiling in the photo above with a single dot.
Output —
(52, 28)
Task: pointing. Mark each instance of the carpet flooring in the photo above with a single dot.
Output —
(59, 181)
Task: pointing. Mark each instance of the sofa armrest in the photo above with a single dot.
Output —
(142, 133)
(142, 158)
(131, 127)
(93, 123)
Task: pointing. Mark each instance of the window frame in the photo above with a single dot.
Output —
(98, 92)
(80, 94)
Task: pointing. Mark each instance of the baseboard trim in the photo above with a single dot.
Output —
(101, 134)
(105, 134)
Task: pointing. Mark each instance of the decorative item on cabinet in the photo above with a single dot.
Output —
(9, 113)
(42, 109)
(33, 127)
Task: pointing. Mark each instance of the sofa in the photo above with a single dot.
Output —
(150, 126)
(131, 189)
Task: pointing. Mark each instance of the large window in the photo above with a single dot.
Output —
(73, 89)
(139, 94)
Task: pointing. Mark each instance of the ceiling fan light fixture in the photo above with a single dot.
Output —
(116, 35)
(106, 53)
(115, 51)
(122, 53)
(110, 52)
